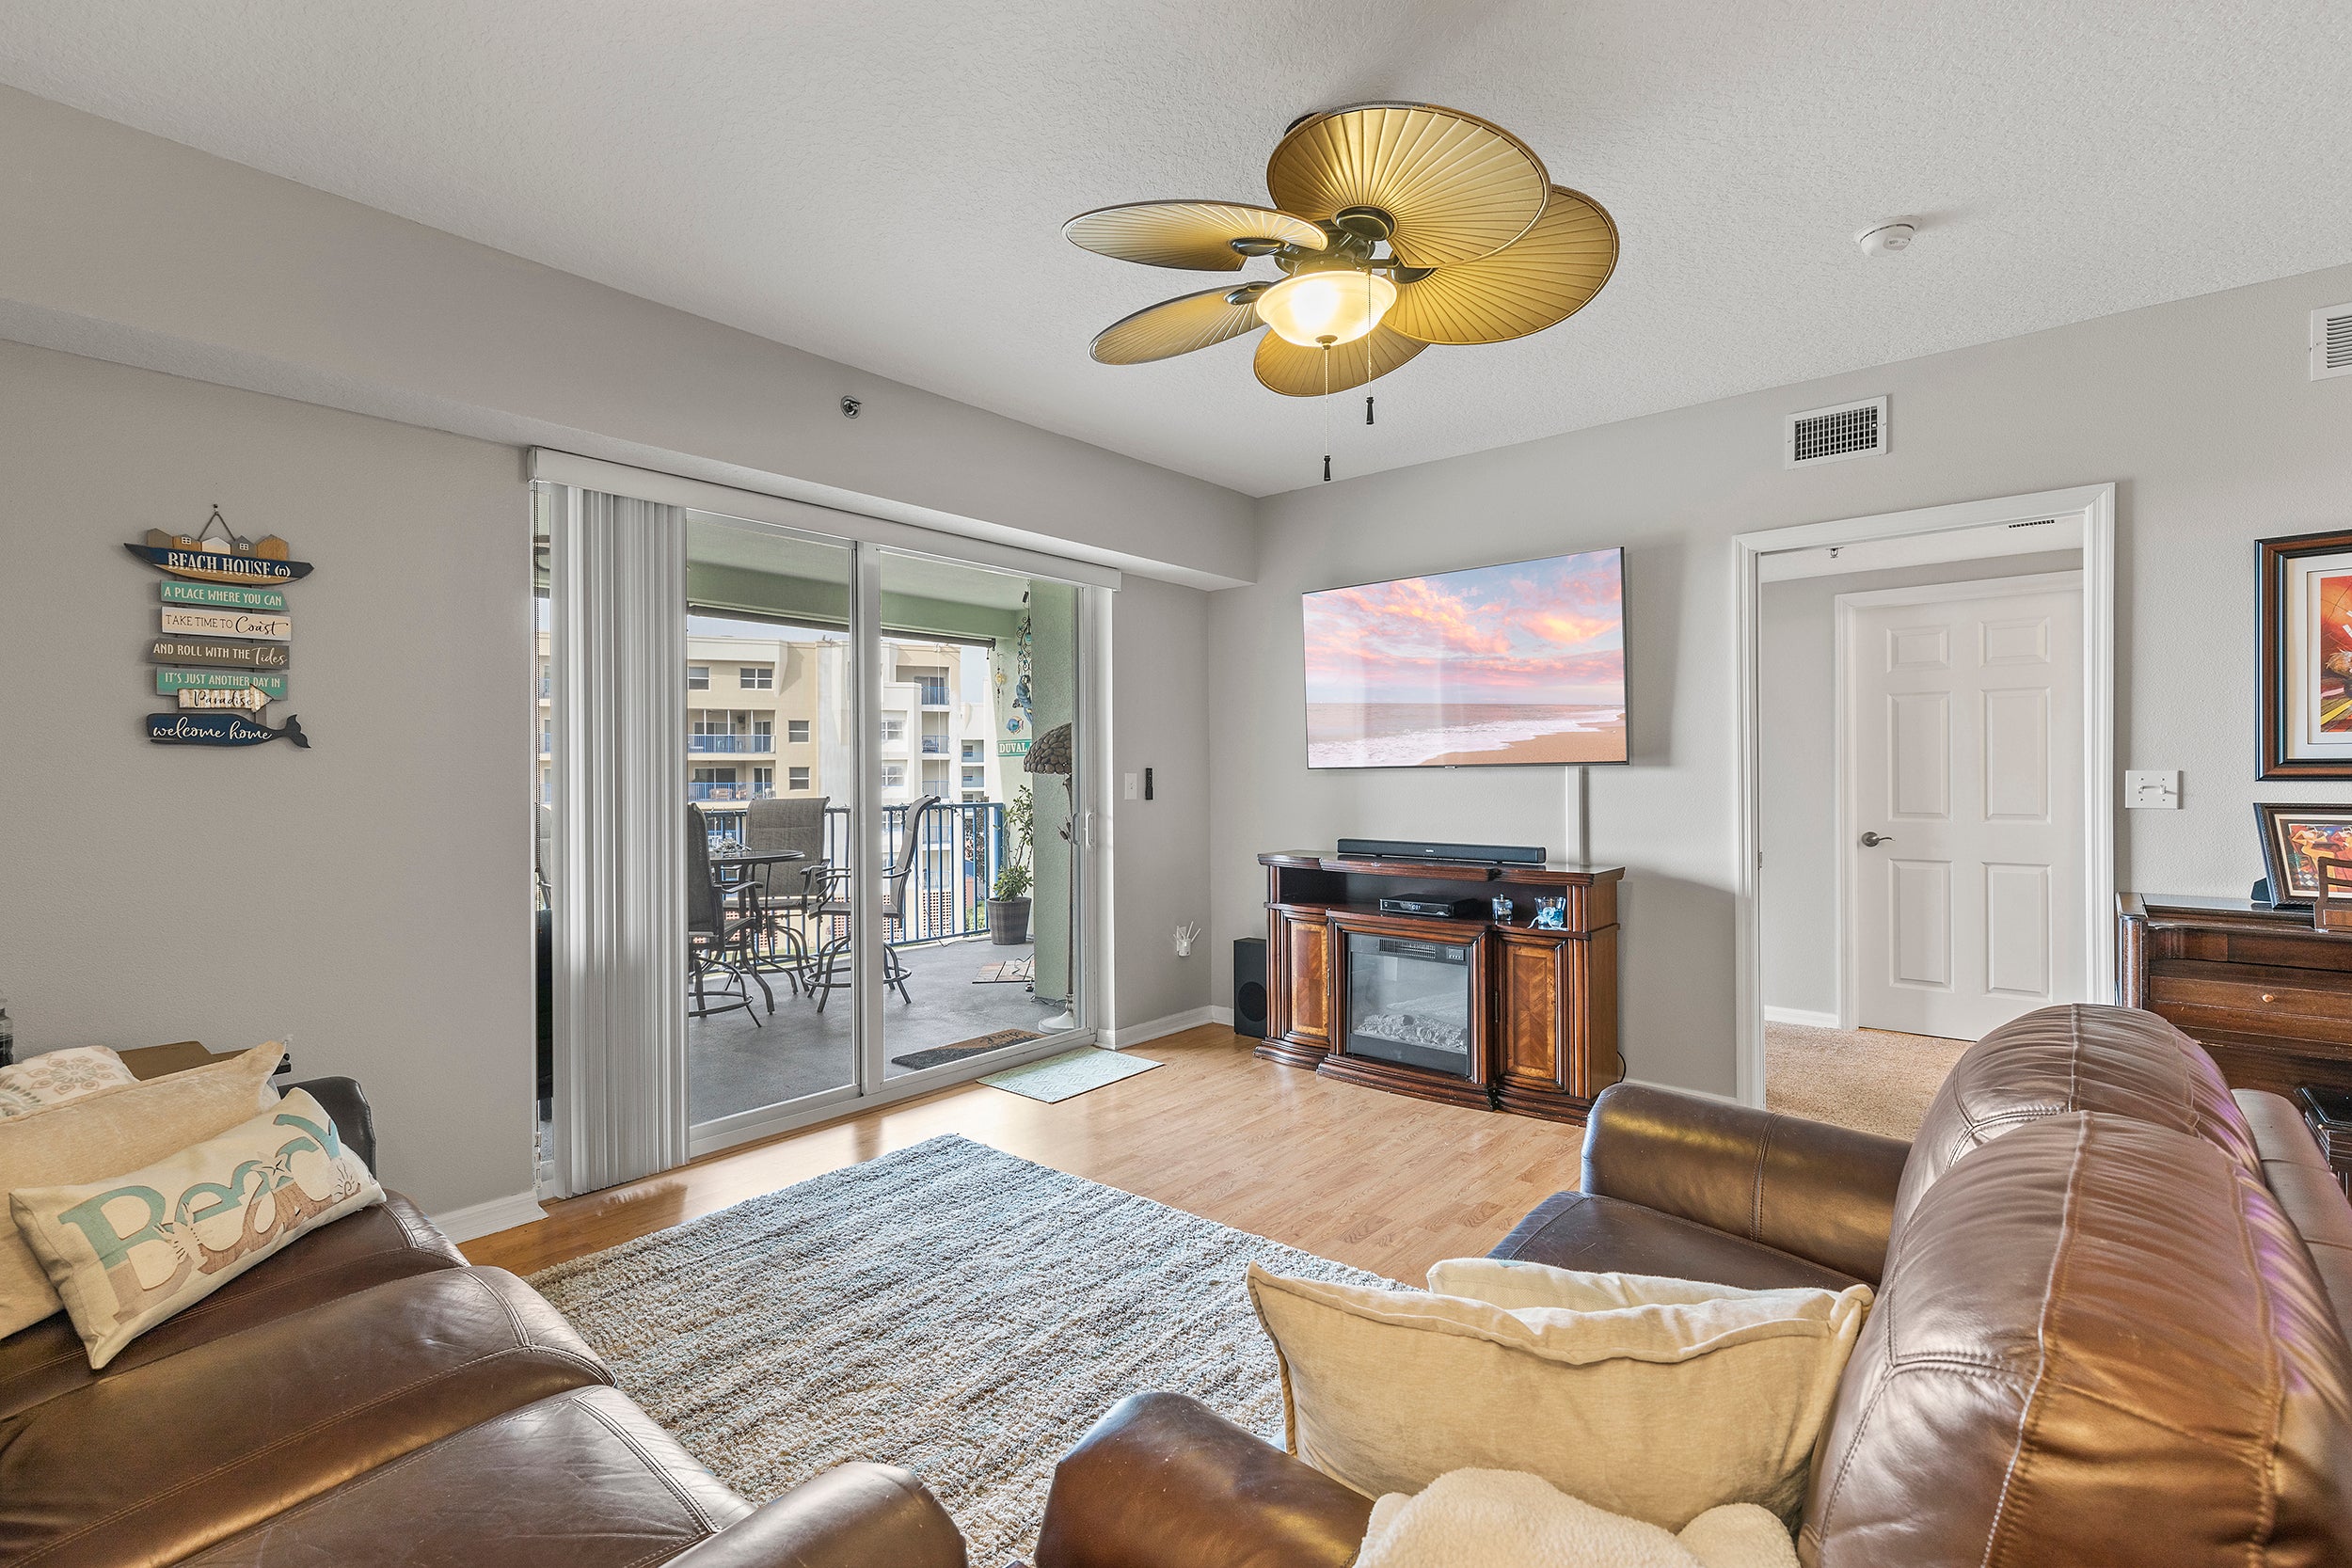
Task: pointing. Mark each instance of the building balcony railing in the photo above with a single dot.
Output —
(934, 693)
(758, 744)
(961, 849)
(730, 792)
(934, 745)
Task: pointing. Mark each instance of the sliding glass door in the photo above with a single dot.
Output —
(884, 751)
(980, 864)
(813, 821)
(771, 758)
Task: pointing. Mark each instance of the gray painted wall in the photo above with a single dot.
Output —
(369, 898)
(127, 247)
(1161, 720)
(2201, 411)
(382, 916)
(1796, 715)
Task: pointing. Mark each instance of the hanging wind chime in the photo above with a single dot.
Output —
(1481, 246)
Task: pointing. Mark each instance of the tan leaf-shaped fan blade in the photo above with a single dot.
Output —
(1194, 235)
(1178, 325)
(1538, 280)
(1284, 367)
(1456, 187)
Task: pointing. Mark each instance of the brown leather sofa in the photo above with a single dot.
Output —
(365, 1396)
(2111, 1322)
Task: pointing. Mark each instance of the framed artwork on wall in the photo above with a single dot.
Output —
(2294, 839)
(2306, 700)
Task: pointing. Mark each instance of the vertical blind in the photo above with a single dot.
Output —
(617, 584)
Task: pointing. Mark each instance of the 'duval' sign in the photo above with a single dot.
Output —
(219, 729)
(223, 649)
(227, 622)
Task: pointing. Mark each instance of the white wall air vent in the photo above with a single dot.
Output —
(1832, 435)
(2331, 342)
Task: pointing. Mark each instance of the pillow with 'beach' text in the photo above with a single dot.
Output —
(115, 1130)
(128, 1252)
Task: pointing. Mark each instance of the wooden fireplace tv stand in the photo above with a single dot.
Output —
(1469, 1010)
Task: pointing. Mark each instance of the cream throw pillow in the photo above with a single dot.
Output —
(1656, 1399)
(54, 1077)
(115, 1130)
(1509, 1519)
(128, 1251)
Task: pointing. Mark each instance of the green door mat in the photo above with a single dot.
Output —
(1072, 1072)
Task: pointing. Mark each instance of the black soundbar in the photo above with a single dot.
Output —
(1421, 850)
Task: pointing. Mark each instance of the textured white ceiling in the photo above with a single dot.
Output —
(883, 182)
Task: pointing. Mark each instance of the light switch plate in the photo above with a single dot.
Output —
(2151, 788)
(1131, 786)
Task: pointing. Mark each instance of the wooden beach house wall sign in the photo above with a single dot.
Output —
(223, 641)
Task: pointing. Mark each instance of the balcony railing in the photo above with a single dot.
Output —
(934, 745)
(934, 693)
(961, 849)
(760, 744)
(730, 792)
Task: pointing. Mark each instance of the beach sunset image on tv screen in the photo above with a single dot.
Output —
(1497, 665)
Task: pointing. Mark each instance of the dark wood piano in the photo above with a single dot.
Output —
(2269, 997)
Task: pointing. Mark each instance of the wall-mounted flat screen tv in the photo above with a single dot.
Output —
(1494, 666)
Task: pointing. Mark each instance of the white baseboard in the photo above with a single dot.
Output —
(1136, 1034)
(488, 1219)
(1801, 1018)
(1221, 1015)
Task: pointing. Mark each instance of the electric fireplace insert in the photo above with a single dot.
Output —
(1409, 1001)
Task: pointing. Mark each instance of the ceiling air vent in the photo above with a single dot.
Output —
(2331, 342)
(1831, 435)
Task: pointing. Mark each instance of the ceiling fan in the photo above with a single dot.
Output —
(1481, 247)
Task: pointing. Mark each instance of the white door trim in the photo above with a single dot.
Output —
(1842, 609)
(2095, 505)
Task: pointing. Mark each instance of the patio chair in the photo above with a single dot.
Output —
(826, 969)
(720, 919)
(795, 890)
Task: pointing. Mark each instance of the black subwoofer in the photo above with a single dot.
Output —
(1249, 986)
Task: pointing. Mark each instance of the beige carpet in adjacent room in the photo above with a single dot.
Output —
(1871, 1079)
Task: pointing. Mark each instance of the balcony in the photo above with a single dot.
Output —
(761, 745)
(934, 745)
(730, 792)
(934, 693)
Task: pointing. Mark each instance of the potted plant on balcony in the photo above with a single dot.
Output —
(1008, 906)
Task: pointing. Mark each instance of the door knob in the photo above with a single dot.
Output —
(1871, 841)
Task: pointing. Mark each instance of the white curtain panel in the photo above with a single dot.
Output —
(617, 571)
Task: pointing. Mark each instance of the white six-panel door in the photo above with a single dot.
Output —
(1963, 803)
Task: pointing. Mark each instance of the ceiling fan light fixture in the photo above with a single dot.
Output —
(1322, 309)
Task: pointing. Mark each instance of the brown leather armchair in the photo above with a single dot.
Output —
(2111, 1326)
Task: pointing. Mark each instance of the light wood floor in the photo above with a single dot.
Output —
(1370, 1178)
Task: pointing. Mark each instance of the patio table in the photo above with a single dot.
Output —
(745, 862)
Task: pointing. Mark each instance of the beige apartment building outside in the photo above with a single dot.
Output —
(767, 719)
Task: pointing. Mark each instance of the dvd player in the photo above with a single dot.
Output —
(1424, 850)
(1440, 909)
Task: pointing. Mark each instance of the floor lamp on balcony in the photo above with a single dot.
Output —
(1051, 755)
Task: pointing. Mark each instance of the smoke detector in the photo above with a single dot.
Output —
(1884, 239)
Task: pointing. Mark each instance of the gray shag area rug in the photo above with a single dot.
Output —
(946, 1307)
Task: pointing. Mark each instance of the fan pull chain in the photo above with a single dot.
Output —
(1326, 413)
